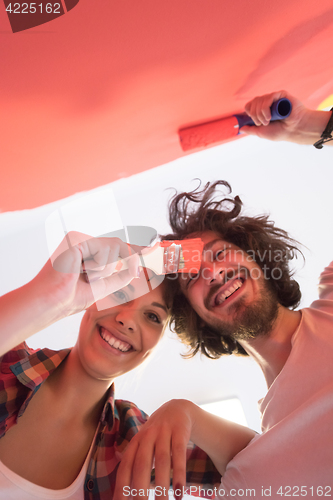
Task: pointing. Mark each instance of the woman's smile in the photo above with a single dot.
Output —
(115, 340)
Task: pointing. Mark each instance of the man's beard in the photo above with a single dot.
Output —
(251, 321)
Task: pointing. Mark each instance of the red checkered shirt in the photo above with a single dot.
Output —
(23, 370)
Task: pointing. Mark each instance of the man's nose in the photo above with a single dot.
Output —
(212, 274)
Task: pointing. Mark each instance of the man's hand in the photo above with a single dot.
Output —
(303, 126)
(164, 438)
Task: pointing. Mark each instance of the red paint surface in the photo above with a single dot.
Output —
(101, 92)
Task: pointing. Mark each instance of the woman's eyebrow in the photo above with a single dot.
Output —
(157, 304)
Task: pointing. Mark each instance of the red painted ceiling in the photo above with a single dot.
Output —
(100, 92)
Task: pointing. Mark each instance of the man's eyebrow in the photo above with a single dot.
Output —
(210, 244)
(131, 287)
(157, 304)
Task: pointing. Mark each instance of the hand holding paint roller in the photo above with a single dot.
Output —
(216, 131)
(280, 110)
(303, 126)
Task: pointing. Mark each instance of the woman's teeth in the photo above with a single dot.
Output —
(221, 297)
(113, 342)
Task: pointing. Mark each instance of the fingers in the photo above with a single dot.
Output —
(273, 132)
(98, 252)
(164, 438)
(143, 464)
(132, 264)
(102, 287)
(103, 254)
(179, 447)
(124, 473)
(163, 462)
(68, 261)
(136, 467)
(134, 472)
(259, 108)
(100, 255)
(259, 111)
(106, 282)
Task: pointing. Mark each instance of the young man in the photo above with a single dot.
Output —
(243, 301)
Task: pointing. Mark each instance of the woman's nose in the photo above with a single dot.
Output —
(126, 319)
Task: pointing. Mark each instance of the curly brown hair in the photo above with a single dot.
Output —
(200, 210)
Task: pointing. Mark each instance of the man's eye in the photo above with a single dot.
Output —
(220, 255)
(191, 278)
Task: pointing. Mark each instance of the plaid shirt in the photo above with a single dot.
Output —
(23, 370)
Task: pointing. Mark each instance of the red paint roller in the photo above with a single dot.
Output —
(206, 134)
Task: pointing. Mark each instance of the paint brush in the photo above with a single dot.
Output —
(168, 257)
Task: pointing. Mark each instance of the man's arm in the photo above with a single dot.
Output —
(164, 438)
(303, 126)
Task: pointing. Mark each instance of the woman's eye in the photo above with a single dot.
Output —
(153, 317)
(120, 296)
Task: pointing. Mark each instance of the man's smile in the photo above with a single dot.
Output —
(226, 288)
(227, 291)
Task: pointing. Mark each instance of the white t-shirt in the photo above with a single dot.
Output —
(294, 455)
(15, 487)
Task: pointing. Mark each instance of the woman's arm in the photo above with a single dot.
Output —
(60, 290)
(164, 438)
(24, 312)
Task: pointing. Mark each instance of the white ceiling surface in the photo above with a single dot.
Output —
(292, 183)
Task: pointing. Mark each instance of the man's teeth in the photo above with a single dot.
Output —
(235, 286)
(113, 342)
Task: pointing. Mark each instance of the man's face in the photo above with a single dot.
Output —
(230, 293)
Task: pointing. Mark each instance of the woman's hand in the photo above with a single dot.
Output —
(303, 126)
(61, 288)
(82, 271)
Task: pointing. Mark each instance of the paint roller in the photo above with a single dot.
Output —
(205, 134)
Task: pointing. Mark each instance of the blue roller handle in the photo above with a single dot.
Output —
(280, 110)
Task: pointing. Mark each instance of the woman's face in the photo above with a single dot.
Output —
(120, 336)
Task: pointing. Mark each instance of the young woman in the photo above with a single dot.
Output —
(62, 432)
